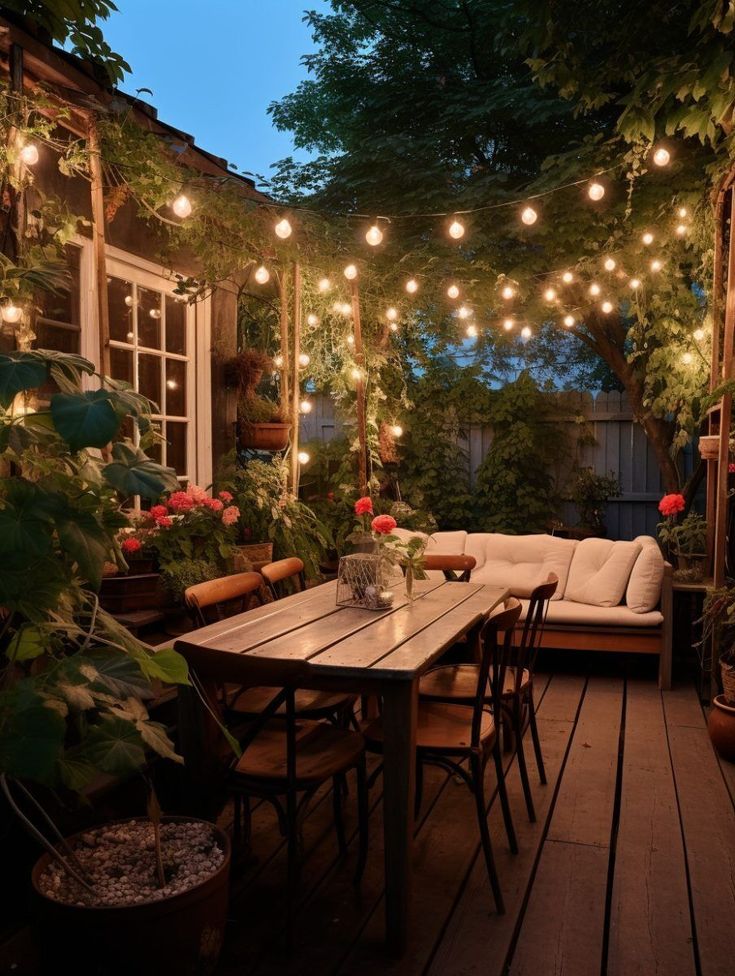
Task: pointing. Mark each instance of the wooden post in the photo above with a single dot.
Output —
(98, 236)
(362, 467)
(296, 392)
(285, 357)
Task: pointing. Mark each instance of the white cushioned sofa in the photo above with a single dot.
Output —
(612, 596)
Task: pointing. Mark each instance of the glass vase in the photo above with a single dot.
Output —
(409, 582)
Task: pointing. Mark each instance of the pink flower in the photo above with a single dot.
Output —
(158, 511)
(383, 524)
(131, 545)
(164, 521)
(180, 501)
(226, 496)
(230, 515)
(198, 494)
(731, 468)
(364, 506)
(214, 503)
(672, 504)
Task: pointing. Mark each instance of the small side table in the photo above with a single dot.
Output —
(688, 605)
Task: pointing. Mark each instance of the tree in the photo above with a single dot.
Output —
(424, 108)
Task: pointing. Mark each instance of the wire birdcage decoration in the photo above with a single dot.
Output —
(365, 580)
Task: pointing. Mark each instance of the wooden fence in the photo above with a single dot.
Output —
(620, 446)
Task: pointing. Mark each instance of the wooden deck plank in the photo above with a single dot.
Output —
(708, 823)
(476, 939)
(650, 925)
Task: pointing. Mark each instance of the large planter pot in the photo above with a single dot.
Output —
(721, 727)
(124, 593)
(181, 934)
(264, 437)
(692, 564)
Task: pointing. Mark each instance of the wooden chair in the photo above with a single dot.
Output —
(284, 760)
(277, 573)
(513, 694)
(451, 734)
(220, 598)
(456, 568)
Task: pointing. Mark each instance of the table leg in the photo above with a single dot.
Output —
(400, 706)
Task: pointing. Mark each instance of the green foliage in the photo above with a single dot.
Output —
(589, 493)
(688, 537)
(179, 575)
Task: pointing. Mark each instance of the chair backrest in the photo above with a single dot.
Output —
(456, 567)
(533, 626)
(494, 644)
(277, 573)
(220, 598)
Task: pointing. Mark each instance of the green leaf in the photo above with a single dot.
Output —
(20, 371)
(31, 735)
(86, 542)
(116, 672)
(76, 774)
(133, 473)
(156, 738)
(85, 419)
(28, 643)
(165, 665)
(26, 525)
(115, 746)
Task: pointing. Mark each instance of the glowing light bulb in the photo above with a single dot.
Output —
(29, 154)
(681, 230)
(391, 314)
(508, 293)
(635, 283)
(569, 321)
(397, 430)
(278, 362)
(471, 331)
(453, 291)
(262, 275)
(171, 384)
(456, 229)
(350, 340)
(374, 235)
(305, 406)
(607, 307)
(463, 312)
(687, 358)
(312, 320)
(610, 264)
(550, 295)
(683, 212)
(155, 313)
(567, 277)
(508, 324)
(356, 373)
(394, 327)
(181, 206)
(350, 272)
(324, 284)
(412, 286)
(130, 336)
(529, 216)
(698, 334)
(647, 238)
(303, 457)
(656, 265)
(662, 156)
(283, 229)
(594, 289)
(346, 308)
(129, 301)
(12, 314)
(526, 332)
(304, 359)
(595, 191)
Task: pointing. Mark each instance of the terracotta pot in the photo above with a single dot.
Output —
(265, 437)
(721, 727)
(182, 934)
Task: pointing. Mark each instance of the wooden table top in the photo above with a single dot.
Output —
(308, 634)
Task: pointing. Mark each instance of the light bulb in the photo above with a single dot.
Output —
(397, 430)
(374, 235)
(456, 229)
(394, 327)
(569, 321)
(471, 331)
(508, 292)
(262, 275)
(350, 340)
(635, 283)
(129, 301)
(155, 313)
(647, 238)
(312, 320)
(130, 336)
(29, 154)
(350, 272)
(305, 406)
(391, 314)
(549, 295)
(283, 229)
(453, 291)
(526, 332)
(529, 216)
(324, 284)
(610, 264)
(662, 156)
(303, 457)
(698, 334)
(656, 265)
(181, 206)
(356, 373)
(278, 362)
(11, 313)
(687, 358)
(304, 359)
(607, 307)
(345, 308)
(412, 286)
(567, 277)
(508, 324)
(683, 212)
(681, 229)
(596, 191)
(463, 312)
(594, 289)
(171, 384)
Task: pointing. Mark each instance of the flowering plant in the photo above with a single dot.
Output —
(681, 539)
(671, 504)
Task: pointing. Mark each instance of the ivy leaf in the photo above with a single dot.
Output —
(20, 371)
(133, 473)
(85, 419)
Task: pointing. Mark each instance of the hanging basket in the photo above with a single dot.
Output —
(264, 437)
(709, 447)
(365, 581)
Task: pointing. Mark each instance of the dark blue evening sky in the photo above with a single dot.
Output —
(214, 66)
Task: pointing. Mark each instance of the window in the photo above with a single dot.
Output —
(59, 326)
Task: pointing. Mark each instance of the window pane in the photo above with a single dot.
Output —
(121, 364)
(175, 326)
(149, 377)
(176, 452)
(120, 302)
(52, 336)
(64, 307)
(176, 387)
(149, 318)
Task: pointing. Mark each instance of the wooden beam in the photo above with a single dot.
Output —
(362, 466)
(98, 238)
(285, 357)
(296, 388)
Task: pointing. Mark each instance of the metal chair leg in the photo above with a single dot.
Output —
(479, 791)
(363, 815)
(522, 768)
(504, 803)
(535, 738)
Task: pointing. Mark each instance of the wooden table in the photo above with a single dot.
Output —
(370, 652)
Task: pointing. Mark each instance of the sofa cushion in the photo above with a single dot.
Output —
(566, 612)
(646, 577)
(520, 562)
(600, 571)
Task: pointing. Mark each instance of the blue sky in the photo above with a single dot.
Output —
(215, 66)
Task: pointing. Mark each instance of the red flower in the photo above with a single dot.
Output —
(383, 524)
(226, 496)
(731, 468)
(180, 501)
(164, 521)
(364, 506)
(672, 504)
(131, 545)
(158, 511)
(230, 515)
(214, 503)
(330, 496)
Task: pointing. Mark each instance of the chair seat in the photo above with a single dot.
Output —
(440, 727)
(321, 752)
(459, 681)
(309, 704)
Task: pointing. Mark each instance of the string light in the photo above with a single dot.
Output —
(610, 264)
(683, 212)
(391, 314)
(312, 320)
(656, 265)
(569, 321)
(129, 301)
(456, 229)
(550, 295)
(647, 238)
(471, 331)
(529, 216)
(12, 314)
(508, 292)
(661, 156)
(29, 154)
(397, 430)
(303, 457)
(278, 362)
(394, 327)
(526, 332)
(356, 373)
(412, 286)
(283, 229)
(594, 289)
(681, 229)
(508, 324)
(567, 277)
(304, 360)
(596, 191)
(374, 236)
(350, 340)
(305, 406)
(698, 334)
(181, 206)
(453, 291)
(172, 384)
(463, 312)
(345, 309)
(635, 283)
(607, 307)
(324, 284)
(350, 272)
(687, 358)
(262, 275)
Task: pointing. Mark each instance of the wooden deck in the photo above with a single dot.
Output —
(629, 870)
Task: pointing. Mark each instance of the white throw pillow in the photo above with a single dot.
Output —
(646, 578)
(447, 543)
(520, 562)
(600, 571)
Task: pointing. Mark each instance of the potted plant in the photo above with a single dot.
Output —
(684, 542)
(718, 624)
(74, 683)
(590, 491)
(262, 423)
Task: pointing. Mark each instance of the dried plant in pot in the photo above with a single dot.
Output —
(262, 423)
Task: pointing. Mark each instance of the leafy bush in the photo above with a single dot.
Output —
(590, 491)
